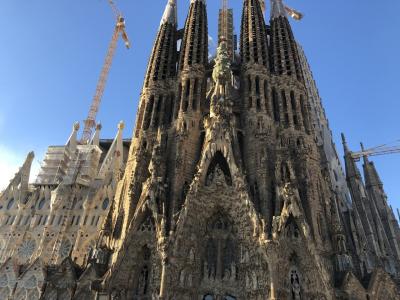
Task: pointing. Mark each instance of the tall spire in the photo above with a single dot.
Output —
(285, 58)
(114, 155)
(351, 167)
(253, 40)
(344, 142)
(163, 58)
(365, 157)
(371, 174)
(170, 13)
(191, 91)
(194, 49)
(160, 74)
(277, 9)
(378, 202)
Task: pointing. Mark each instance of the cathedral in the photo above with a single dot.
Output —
(229, 189)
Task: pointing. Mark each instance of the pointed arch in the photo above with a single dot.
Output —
(219, 162)
(148, 223)
(143, 280)
(220, 255)
(295, 279)
(292, 230)
(148, 112)
(285, 172)
(275, 105)
(257, 85)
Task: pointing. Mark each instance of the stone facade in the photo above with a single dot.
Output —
(228, 192)
(60, 215)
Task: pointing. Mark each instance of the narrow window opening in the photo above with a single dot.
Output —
(257, 85)
(250, 104)
(186, 98)
(195, 94)
(266, 95)
(294, 108)
(275, 105)
(149, 110)
(258, 104)
(303, 112)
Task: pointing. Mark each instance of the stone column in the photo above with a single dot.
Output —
(164, 271)
(272, 261)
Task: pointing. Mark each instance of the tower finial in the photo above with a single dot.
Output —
(262, 4)
(365, 157)
(96, 136)
(277, 9)
(170, 13)
(73, 141)
(344, 142)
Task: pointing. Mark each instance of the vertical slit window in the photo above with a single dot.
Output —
(177, 101)
(285, 107)
(294, 108)
(171, 107)
(258, 104)
(250, 102)
(195, 94)
(257, 85)
(158, 111)
(275, 105)
(186, 97)
(149, 110)
(303, 112)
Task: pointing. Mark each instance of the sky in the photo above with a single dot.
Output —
(51, 54)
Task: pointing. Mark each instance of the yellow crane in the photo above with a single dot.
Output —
(290, 11)
(375, 151)
(119, 30)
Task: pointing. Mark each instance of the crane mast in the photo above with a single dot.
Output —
(290, 11)
(119, 30)
(224, 19)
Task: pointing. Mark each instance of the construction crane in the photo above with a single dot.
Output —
(380, 150)
(224, 11)
(290, 11)
(119, 30)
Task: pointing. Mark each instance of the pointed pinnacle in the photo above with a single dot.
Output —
(277, 9)
(365, 156)
(344, 142)
(170, 13)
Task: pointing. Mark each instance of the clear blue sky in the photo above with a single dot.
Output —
(51, 53)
